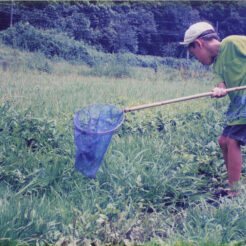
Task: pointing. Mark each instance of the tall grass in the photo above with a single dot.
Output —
(158, 182)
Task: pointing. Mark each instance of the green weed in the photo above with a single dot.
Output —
(158, 181)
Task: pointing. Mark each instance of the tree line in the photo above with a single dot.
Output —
(139, 27)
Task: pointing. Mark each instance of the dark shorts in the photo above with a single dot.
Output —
(237, 132)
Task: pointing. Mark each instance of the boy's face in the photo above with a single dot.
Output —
(202, 52)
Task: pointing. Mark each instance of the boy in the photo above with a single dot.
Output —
(229, 63)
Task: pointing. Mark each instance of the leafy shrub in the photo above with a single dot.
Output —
(17, 60)
(155, 121)
(53, 44)
(110, 70)
(27, 143)
(170, 49)
(27, 37)
(124, 58)
(26, 131)
(106, 63)
(110, 65)
(38, 61)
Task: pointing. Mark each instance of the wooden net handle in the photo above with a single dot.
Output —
(181, 99)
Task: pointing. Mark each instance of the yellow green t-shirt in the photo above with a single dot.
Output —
(230, 67)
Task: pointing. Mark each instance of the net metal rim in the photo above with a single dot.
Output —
(104, 132)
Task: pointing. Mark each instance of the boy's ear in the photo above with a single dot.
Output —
(199, 42)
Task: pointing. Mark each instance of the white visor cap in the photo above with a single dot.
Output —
(194, 31)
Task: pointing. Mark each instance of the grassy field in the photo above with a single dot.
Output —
(158, 181)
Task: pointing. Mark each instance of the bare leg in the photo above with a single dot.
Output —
(223, 146)
(233, 159)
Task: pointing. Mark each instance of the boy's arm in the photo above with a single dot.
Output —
(220, 90)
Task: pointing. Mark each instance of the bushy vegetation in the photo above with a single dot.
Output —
(47, 45)
(146, 28)
(51, 44)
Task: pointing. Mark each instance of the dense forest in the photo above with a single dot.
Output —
(139, 27)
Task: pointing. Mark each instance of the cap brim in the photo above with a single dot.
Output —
(184, 43)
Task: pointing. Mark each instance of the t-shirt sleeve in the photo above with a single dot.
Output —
(229, 66)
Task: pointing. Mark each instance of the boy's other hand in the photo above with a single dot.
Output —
(218, 92)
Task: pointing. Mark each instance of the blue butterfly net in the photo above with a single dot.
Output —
(94, 127)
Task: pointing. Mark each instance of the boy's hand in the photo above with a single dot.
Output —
(218, 92)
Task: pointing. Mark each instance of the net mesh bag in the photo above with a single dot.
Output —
(94, 127)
